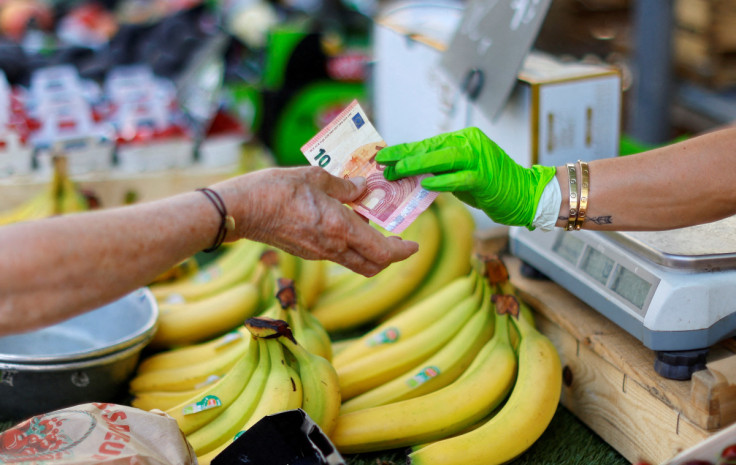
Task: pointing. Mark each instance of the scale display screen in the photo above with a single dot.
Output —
(628, 286)
(631, 287)
(569, 247)
(597, 266)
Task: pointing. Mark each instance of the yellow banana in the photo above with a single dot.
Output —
(187, 377)
(304, 336)
(340, 345)
(308, 331)
(454, 255)
(164, 400)
(41, 205)
(283, 388)
(467, 429)
(60, 196)
(195, 353)
(387, 289)
(439, 370)
(441, 413)
(69, 198)
(296, 395)
(320, 385)
(235, 265)
(185, 268)
(188, 323)
(520, 422)
(338, 277)
(289, 306)
(283, 391)
(189, 414)
(410, 322)
(289, 265)
(221, 429)
(346, 285)
(319, 333)
(311, 281)
(368, 372)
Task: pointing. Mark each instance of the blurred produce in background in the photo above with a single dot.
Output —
(151, 85)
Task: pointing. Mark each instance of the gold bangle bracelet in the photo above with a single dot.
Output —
(584, 194)
(573, 182)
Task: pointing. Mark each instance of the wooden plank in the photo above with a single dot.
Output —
(621, 411)
(704, 41)
(612, 385)
(715, 21)
(692, 50)
(694, 15)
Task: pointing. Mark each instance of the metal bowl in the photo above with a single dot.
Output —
(89, 358)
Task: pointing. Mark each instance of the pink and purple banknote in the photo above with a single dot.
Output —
(347, 148)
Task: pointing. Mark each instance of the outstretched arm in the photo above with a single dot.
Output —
(687, 183)
(56, 268)
(683, 184)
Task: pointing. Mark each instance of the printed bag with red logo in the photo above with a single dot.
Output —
(97, 433)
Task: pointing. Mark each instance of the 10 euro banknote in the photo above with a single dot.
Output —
(347, 148)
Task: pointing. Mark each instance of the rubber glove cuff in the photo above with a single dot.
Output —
(527, 190)
(548, 209)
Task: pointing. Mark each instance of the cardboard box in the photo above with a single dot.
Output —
(557, 113)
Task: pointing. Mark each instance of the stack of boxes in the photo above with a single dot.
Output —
(132, 123)
(705, 41)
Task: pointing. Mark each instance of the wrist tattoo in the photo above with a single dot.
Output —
(601, 219)
(608, 219)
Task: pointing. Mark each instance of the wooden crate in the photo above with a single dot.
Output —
(704, 41)
(611, 385)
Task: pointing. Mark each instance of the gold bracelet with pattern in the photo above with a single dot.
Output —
(573, 183)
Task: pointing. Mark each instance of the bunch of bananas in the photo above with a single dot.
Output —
(445, 236)
(168, 378)
(275, 374)
(462, 377)
(215, 299)
(59, 197)
(216, 389)
(206, 302)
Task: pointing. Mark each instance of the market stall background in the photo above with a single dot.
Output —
(278, 74)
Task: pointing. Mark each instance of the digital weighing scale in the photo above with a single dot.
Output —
(673, 290)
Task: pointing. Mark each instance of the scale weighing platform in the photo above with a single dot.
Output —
(673, 290)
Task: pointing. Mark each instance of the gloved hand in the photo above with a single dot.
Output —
(475, 169)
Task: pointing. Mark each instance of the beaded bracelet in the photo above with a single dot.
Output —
(573, 183)
(584, 193)
(227, 222)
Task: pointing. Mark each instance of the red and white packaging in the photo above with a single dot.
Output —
(97, 433)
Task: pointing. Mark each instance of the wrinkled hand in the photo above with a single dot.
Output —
(475, 169)
(300, 210)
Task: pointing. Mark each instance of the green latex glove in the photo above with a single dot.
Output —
(475, 169)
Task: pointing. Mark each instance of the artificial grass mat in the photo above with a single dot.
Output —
(567, 441)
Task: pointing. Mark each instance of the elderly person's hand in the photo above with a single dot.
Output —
(301, 210)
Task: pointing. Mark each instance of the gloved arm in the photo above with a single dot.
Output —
(476, 170)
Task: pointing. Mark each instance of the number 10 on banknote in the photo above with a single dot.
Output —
(347, 148)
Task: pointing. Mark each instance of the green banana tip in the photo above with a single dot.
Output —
(506, 304)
